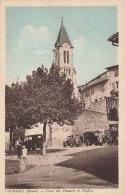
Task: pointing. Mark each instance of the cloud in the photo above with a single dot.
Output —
(79, 45)
(31, 37)
(41, 52)
(94, 54)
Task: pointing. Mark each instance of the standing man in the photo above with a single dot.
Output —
(19, 148)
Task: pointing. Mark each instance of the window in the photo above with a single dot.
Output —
(68, 57)
(92, 90)
(64, 70)
(103, 87)
(113, 85)
(116, 72)
(117, 84)
(87, 93)
(64, 56)
(30, 138)
(69, 71)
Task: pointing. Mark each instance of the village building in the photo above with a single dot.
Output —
(102, 86)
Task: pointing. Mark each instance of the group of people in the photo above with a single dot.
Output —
(21, 149)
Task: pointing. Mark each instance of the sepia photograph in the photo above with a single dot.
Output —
(61, 97)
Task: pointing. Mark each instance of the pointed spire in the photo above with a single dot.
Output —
(53, 63)
(62, 20)
(63, 36)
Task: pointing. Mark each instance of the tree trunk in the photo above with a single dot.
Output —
(44, 140)
(44, 149)
(10, 143)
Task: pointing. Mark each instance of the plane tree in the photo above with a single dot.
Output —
(44, 97)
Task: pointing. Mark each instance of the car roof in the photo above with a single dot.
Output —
(32, 135)
(93, 132)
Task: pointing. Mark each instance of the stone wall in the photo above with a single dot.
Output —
(90, 121)
(99, 106)
(94, 118)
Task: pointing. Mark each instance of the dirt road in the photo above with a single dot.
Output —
(71, 168)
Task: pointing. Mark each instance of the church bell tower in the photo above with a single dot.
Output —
(63, 52)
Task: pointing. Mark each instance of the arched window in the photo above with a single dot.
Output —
(67, 57)
(64, 70)
(64, 56)
(69, 71)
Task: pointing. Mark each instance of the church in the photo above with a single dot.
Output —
(63, 57)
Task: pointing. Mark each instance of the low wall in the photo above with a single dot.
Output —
(58, 134)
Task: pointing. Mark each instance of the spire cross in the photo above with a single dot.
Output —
(62, 20)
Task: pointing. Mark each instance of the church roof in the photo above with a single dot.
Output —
(63, 36)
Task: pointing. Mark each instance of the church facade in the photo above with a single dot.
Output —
(63, 57)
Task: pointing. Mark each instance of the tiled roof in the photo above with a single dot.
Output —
(63, 36)
(114, 38)
(97, 80)
(110, 67)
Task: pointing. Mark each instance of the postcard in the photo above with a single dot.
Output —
(62, 97)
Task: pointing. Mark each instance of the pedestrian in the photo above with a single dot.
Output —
(24, 152)
(19, 148)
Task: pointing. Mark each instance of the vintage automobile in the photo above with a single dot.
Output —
(72, 140)
(69, 141)
(77, 141)
(93, 137)
(33, 142)
(110, 139)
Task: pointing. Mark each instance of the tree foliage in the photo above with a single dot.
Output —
(44, 96)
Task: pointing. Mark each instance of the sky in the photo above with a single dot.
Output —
(31, 33)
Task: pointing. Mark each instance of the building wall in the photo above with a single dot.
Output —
(94, 118)
(38, 129)
(90, 121)
(98, 94)
(100, 87)
(112, 80)
(99, 106)
(58, 134)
